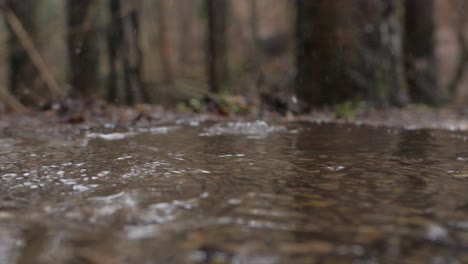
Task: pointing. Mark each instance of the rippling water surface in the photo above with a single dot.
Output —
(234, 193)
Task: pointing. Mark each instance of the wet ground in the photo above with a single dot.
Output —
(234, 192)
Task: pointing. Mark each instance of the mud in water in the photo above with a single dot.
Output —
(234, 192)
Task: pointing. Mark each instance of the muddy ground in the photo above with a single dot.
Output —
(81, 116)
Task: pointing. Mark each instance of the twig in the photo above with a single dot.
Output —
(34, 55)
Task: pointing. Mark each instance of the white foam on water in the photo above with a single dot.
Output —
(110, 136)
(9, 176)
(256, 130)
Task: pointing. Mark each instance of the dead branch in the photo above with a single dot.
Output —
(33, 53)
(10, 101)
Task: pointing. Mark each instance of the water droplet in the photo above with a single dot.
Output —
(336, 168)
(9, 176)
(103, 173)
(436, 232)
(80, 188)
(234, 201)
(68, 181)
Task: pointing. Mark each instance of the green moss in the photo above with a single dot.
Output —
(348, 110)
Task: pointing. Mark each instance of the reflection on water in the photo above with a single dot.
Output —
(235, 193)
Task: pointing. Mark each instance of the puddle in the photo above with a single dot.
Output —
(235, 192)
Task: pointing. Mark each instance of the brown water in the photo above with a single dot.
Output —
(234, 193)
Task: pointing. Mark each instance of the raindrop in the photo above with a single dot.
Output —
(80, 188)
(9, 176)
(436, 232)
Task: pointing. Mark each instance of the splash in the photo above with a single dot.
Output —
(257, 129)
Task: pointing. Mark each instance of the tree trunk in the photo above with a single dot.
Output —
(185, 8)
(419, 50)
(114, 43)
(164, 45)
(83, 52)
(125, 55)
(133, 56)
(256, 54)
(217, 11)
(254, 22)
(23, 77)
(462, 65)
(348, 50)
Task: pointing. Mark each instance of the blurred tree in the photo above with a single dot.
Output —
(217, 61)
(83, 52)
(350, 50)
(185, 8)
(23, 77)
(460, 28)
(114, 42)
(164, 45)
(419, 51)
(125, 55)
(254, 22)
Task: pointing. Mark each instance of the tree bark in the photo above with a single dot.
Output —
(164, 45)
(23, 77)
(217, 11)
(462, 65)
(83, 51)
(348, 50)
(185, 8)
(254, 22)
(114, 42)
(419, 50)
(133, 55)
(125, 54)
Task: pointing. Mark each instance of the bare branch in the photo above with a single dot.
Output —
(33, 53)
(10, 101)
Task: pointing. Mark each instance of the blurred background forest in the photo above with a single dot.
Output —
(248, 52)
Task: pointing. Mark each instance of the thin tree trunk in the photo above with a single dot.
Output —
(254, 23)
(133, 56)
(83, 52)
(114, 43)
(348, 50)
(125, 55)
(164, 45)
(185, 8)
(217, 11)
(256, 54)
(462, 65)
(419, 50)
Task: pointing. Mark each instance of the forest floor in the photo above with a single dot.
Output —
(78, 116)
(410, 117)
